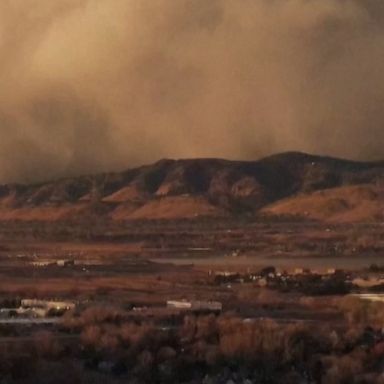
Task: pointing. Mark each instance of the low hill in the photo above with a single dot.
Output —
(285, 184)
(362, 203)
(171, 207)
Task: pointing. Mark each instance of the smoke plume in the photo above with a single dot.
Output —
(96, 85)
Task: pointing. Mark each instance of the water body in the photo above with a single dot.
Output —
(316, 263)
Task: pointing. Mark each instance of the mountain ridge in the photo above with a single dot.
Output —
(187, 188)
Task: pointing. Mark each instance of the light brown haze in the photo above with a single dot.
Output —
(97, 85)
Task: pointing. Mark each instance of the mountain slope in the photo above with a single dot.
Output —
(282, 184)
(356, 203)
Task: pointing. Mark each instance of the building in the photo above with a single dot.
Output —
(42, 263)
(195, 305)
(225, 273)
(65, 263)
(302, 271)
(47, 304)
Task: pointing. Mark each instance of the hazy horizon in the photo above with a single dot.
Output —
(91, 86)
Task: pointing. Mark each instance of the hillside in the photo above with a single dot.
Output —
(362, 203)
(285, 184)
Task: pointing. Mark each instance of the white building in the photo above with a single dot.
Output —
(195, 305)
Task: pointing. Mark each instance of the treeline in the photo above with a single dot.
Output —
(101, 346)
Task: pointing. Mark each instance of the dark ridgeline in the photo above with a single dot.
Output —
(235, 187)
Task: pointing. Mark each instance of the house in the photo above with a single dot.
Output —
(335, 271)
(225, 273)
(65, 263)
(179, 304)
(301, 271)
(262, 282)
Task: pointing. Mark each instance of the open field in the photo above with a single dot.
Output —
(257, 238)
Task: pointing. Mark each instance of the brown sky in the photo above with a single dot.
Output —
(94, 85)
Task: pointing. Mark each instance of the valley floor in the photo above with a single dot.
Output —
(283, 279)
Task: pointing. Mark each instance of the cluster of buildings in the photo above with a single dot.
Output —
(51, 263)
(35, 308)
(330, 281)
(333, 281)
